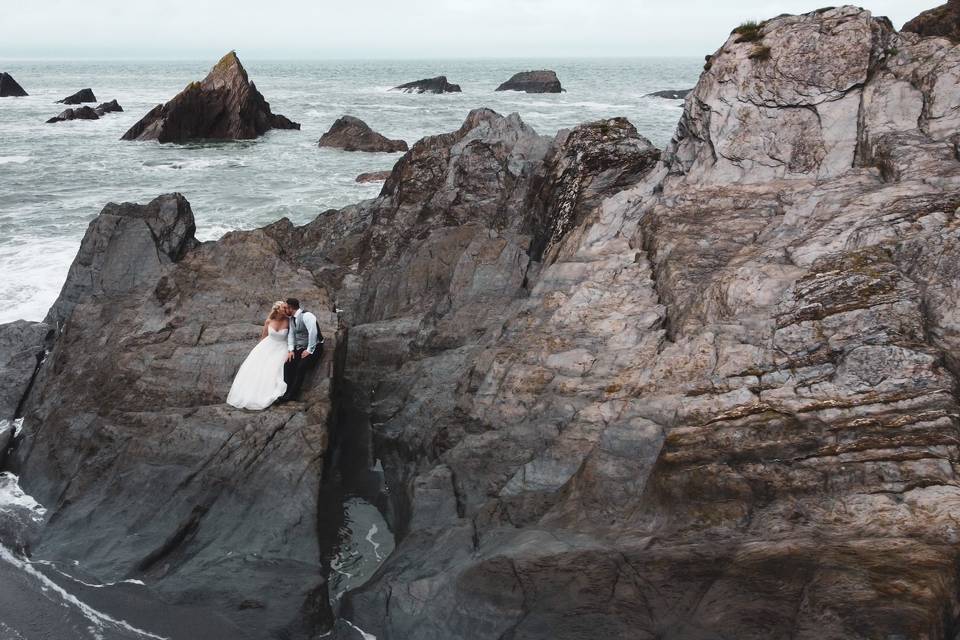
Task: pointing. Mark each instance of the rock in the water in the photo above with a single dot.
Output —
(80, 113)
(9, 87)
(108, 107)
(429, 85)
(671, 94)
(942, 21)
(353, 134)
(373, 176)
(543, 81)
(22, 346)
(84, 95)
(223, 106)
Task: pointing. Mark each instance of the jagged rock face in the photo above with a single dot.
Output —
(941, 22)
(543, 81)
(108, 107)
(725, 402)
(353, 134)
(145, 472)
(9, 87)
(81, 113)
(429, 85)
(22, 345)
(223, 106)
(84, 95)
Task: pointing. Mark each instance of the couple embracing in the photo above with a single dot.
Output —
(290, 345)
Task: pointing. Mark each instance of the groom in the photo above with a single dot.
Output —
(304, 348)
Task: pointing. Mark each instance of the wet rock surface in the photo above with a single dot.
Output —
(22, 345)
(108, 107)
(671, 94)
(223, 106)
(84, 95)
(543, 81)
(10, 87)
(708, 394)
(941, 22)
(80, 113)
(429, 85)
(353, 134)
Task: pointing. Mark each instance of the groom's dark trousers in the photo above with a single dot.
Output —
(295, 370)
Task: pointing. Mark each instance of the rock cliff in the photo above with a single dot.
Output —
(223, 106)
(709, 393)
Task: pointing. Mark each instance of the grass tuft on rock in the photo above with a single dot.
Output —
(749, 31)
(760, 53)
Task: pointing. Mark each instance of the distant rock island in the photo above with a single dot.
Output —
(84, 95)
(80, 113)
(542, 81)
(670, 94)
(223, 106)
(942, 21)
(429, 85)
(353, 134)
(108, 107)
(10, 88)
(373, 176)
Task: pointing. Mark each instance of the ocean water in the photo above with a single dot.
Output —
(55, 178)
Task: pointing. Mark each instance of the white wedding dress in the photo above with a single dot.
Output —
(259, 381)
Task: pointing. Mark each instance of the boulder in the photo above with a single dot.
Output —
(84, 95)
(942, 22)
(108, 107)
(353, 134)
(429, 85)
(9, 87)
(543, 81)
(223, 106)
(671, 94)
(373, 176)
(80, 113)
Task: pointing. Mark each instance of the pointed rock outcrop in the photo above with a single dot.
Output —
(223, 106)
(84, 95)
(429, 85)
(9, 87)
(942, 21)
(542, 81)
(353, 134)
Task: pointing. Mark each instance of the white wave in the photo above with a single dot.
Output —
(376, 545)
(99, 619)
(17, 427)
(13, 497)
(363, 634)
(53, 565)
(14, 159)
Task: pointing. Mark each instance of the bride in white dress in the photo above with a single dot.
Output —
(259, 381)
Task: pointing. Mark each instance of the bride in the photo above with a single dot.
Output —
(259, 381)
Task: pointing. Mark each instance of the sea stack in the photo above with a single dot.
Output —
(942, 21)
(108, 107)
(429, 85)
(353, 134)
(223, 106)
(84, 95)
(80, 113)
(542, 81)
(10, 88)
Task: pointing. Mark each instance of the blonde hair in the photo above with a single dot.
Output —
(275, 310)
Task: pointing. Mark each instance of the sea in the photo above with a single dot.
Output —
(55, 178)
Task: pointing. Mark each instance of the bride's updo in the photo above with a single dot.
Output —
(277, 310)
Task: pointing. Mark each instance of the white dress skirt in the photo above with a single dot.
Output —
(259, 381)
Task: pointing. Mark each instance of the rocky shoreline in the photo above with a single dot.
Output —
(616, 392)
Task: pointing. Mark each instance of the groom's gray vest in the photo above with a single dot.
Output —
(301, 337)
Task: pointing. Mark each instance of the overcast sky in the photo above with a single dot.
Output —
(184, 29)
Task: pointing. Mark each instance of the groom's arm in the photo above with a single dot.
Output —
(312, 332)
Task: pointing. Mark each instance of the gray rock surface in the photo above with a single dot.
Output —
(542, 81)
(353, 134)
(22, 345)
(145, 472)
(10, 87)
(438, 84)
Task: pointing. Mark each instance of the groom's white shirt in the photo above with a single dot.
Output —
(310, 322)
